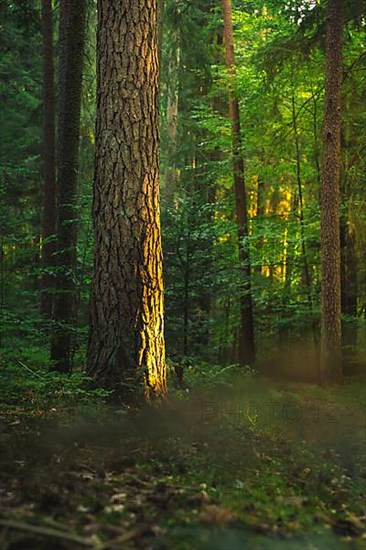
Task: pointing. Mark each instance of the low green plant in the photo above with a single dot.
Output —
(27, 384)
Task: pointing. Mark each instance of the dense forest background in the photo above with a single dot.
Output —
(280, 72)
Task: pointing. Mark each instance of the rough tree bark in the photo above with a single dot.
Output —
(246, 338)
(71, 47)
(49, 159)
(330, 364)
(126, 340)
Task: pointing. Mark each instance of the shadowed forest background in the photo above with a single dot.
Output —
(251, 114)
(280, 84)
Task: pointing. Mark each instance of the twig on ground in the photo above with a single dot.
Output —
(29, 370)
(46, 532)
(126, 537)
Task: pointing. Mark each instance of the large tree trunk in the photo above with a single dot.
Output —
(71, 47)
(246, 338)
(126, 340)
(331, 366)
(49, 159)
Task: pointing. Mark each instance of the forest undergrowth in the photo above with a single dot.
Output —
(233, 462)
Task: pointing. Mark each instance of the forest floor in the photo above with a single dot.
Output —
(242, 465)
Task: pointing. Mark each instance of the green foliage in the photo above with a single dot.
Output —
(27, 385)
(280, 81)
(197, 269)
(198, 374)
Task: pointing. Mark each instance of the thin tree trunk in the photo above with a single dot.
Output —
(349, 272)
(348, 298)
(300, 209)
(261, 208)
(49, 160)
(316, 140)
(206, 299)
(71, 47)
(172, 124)
(246, 337)
(331, 365)
(126, 339)
(2, 285)
(349, 283)
(186, 300)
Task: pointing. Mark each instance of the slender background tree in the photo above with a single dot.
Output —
(71, 47)
(331, 344)
(246, 334)
(49, 159)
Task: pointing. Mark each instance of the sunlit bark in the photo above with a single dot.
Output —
(126, 340)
